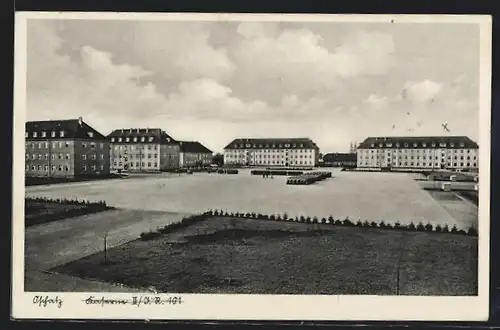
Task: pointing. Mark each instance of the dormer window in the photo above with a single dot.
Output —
(287, 146)
(248, 145)
(462, 144)
(135, 139)
(424, 145)
(44, 134)
(414, 145)
(127, 139)
(406, 145)
(397, 145)
(442, 144)
(389, 145)
(380, 145)
(150, 139)
(143, 139)
(34, 134)
(112, 139)
(433, 145)
(26, 134)
(372, 145)
(61, 133)
(168, 140)
(301, 145)
(91, 134)
(120, 139)
(53, 134)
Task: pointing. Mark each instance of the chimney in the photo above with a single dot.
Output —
(147, 129)
(130, 130)
(122, 130)
(137, 130)
(80, 121)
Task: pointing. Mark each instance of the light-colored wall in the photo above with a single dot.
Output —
(193, 158)
(272, 157)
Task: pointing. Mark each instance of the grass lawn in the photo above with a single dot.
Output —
(222, 255)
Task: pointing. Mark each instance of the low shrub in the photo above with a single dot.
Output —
(472, 231)
(146, 236)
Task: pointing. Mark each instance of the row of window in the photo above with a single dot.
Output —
(269, 151)
(267, 146)
(136, 156)
(135, 139)
(60, 168)
(62, 156)
(60, 144)
(137, 147)
(137, 164)
(418, 157)
(262, 162)
(366, 151)
(270, 156)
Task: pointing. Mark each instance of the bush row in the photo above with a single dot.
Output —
(66, 201)
(290, 169)
(276, 172)
(347, 222)
(309, 178)
(171, 227)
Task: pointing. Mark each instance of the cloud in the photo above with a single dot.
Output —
(422, 92)
(376, 102)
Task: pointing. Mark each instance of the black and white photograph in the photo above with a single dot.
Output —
(310, 166)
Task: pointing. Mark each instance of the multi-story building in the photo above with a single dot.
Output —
(272, 152)
(426, 152)
(65, 148)
(193, 153)
(143, 150)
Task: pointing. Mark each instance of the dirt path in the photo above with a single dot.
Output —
(55, 243)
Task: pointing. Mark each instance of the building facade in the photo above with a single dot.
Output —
(143, 150)
(430, 152)
(337, 159)
(65, 149)
(194, 154)
(272, 152)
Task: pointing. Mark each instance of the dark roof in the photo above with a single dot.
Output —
(272, 143)
(71, 128)
(449, 142)
(340, 157)
(194, 146)
(157, 135)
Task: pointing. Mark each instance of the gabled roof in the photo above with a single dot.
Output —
(272, 143)
(71, 128)
(127, 135)
(395, 142)
(194, 147)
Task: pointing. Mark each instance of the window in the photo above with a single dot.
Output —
(53, 134)
(93, 156)
(84, 167)
(67, 156)
(433, 144)
(112, 139)
(53, 156)
(61, 133)
(66, 168)
(34, 134)
(102, 167)
(59, 168)
(135, 139)
(39, 156)
(26, 134)
(92, 145)
(60, 144)
(44, 134)
(143, 139)
(101, 156)
(93, 167)
(84, 157)
(33, 167)
(119, 139)
(101, 145)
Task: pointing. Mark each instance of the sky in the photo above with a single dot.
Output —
(212, 82)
